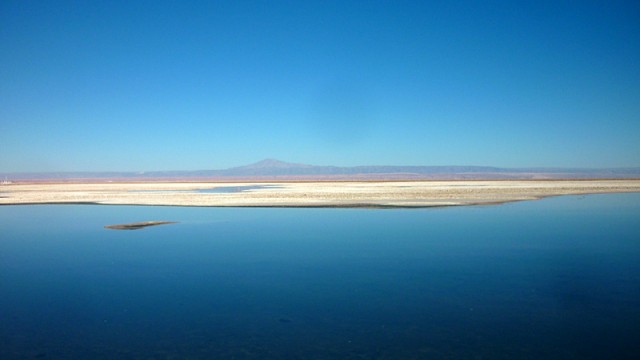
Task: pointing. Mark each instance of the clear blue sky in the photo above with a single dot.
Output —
(159, 85)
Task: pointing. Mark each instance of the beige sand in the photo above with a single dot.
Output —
(310, 194)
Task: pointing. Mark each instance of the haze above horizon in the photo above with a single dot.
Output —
(164, 85)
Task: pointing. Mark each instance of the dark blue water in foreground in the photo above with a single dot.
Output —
(556, 278)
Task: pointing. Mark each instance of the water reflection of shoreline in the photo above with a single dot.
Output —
(215, 190)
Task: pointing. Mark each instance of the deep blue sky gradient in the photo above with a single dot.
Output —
(159, 85)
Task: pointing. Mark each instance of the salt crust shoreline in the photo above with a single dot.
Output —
(353, 194)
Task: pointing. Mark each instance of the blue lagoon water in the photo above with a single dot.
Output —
(555, 278)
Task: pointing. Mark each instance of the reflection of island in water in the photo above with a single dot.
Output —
(138, 225)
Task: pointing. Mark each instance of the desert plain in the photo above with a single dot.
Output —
(382, 194)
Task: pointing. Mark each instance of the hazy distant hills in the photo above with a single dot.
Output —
(271, 169)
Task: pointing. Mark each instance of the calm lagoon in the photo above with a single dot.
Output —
(555, 278)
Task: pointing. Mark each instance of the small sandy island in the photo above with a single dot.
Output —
(377, 194)
(138, 225)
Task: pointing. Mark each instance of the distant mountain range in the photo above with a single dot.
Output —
(271, 169)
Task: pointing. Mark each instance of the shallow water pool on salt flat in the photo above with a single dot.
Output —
(556, 278)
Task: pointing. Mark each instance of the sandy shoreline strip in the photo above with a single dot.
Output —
(308, 194)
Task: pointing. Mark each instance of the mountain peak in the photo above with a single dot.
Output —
(273, 164)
